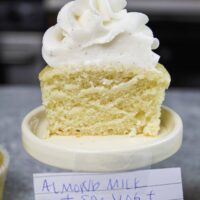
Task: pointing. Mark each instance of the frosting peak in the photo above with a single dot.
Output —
(99, 33)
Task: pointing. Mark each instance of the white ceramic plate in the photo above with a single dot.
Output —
(97, 153)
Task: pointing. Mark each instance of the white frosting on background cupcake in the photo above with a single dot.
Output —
(99, 33)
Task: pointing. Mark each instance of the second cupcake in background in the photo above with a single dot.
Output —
(4, 163)
(103, 77)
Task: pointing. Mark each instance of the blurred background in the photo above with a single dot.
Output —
(22, 24)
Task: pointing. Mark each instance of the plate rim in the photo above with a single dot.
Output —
(28, 135)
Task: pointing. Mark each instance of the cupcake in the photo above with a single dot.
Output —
(103, 77)
(4, 162)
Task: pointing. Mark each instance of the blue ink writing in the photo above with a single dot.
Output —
(125, 197)
(136, 183)
(136, 197)
(150, 195)
(46, 187)
(85, 186)
(118, 184)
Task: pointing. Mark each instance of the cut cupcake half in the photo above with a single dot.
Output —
(103, 101)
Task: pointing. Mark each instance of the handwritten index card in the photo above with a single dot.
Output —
(159, 184)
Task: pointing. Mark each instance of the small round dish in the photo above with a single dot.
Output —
(101, 153)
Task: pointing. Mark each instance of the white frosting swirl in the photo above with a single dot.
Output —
(100, 33)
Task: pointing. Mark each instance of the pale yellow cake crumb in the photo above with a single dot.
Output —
(103, 101)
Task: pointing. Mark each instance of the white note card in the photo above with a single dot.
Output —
(158, 184)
